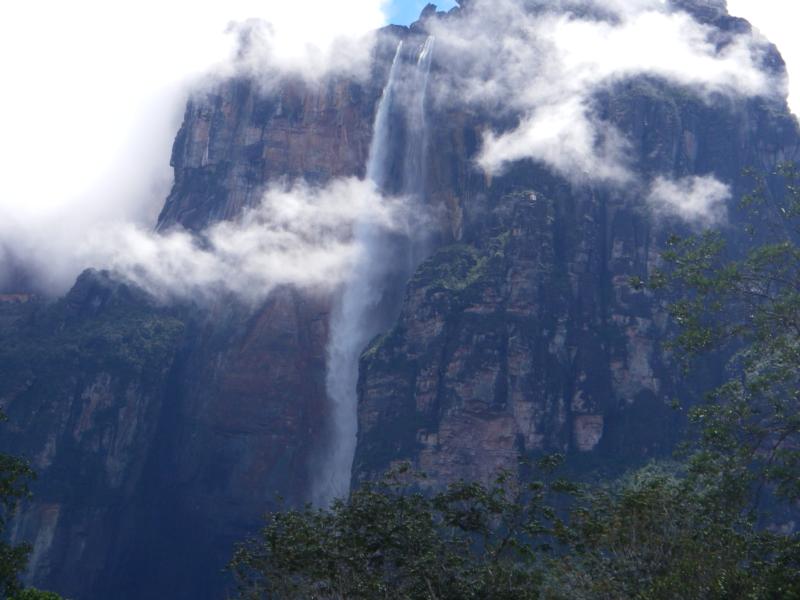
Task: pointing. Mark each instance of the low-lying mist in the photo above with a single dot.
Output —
(297, 235)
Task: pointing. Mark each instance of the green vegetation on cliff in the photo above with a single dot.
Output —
(46, 345)
(457, 267)
(14, 477)
(123, 340)
(102, 331)
(15, 474)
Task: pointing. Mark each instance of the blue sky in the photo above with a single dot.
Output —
(404, 12)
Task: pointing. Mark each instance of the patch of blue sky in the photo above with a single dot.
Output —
(405, 12)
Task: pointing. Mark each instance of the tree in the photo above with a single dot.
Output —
(746, 302)
(717, 526)
(14, 477)
(391, 540)
(665, 532)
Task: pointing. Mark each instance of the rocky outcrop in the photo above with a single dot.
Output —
(243, 135)
(235, 140)
(519, 343)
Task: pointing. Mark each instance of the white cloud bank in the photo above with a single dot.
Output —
(93, 93)
(548, 66)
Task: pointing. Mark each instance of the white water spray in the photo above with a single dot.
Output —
(358, 317)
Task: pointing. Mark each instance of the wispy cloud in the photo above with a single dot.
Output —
(546, 65)
(696, 200)
(96, 159)
(299, 235)
(777, 20)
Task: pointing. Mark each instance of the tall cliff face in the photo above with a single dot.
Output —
(234, 140)
(525, 336)
(161, 434)
(84, 382)
(149, 475)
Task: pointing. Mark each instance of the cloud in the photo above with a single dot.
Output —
(299, 235)
(93, 94)
(95, 91)
(266, 52)
(696, 200)
(563, 136)
(777, 20)
(545, 66)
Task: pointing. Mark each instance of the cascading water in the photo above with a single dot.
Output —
(416, 150)
(416, 122)
(361, 312)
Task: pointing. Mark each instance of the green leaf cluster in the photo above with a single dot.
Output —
(663, 532)
(391, 540)
(744, 303)
(15, 475)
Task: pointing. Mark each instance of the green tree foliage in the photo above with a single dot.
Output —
(663, 533)
(712, 528)
(14, 477)
(390, 540)
(747, 302)
(32, 594)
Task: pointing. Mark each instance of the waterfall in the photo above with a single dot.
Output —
(416, 150)
(415, 122)
(378, 159)
(365, 307)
